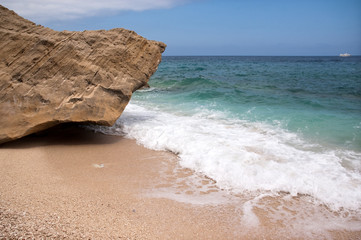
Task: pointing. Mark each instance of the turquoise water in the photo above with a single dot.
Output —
(317, 97)
(258, 125)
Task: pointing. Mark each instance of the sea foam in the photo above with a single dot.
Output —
(248, 157)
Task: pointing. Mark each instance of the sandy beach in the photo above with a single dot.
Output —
(71, 183)
(211, 120)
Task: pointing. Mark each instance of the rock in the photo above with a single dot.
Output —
(49, 77)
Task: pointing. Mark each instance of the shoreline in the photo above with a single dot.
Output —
(73, 183)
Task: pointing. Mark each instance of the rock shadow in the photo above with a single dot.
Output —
(62, 134)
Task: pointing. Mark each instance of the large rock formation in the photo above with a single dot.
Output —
(49, 77)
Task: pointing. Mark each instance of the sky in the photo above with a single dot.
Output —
(214, 27)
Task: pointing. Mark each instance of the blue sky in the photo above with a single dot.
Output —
(214, 27)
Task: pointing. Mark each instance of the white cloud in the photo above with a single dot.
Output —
(49, 10)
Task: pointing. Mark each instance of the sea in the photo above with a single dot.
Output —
(256, 125)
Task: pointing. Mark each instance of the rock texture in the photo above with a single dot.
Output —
(49, 77)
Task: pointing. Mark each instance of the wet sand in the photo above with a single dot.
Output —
(71, 183)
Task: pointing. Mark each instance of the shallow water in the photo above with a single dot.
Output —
(258, 125)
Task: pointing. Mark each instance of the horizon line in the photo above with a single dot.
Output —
(259, 56)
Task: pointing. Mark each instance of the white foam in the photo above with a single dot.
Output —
(244, 156)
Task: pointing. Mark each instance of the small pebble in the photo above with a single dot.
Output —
(98, 165)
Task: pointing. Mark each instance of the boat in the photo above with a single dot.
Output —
(345, 55)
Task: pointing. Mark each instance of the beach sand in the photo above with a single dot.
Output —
(72, 183)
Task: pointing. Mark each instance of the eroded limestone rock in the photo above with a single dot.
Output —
(49, 77)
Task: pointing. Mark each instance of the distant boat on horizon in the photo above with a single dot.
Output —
(345, 55)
